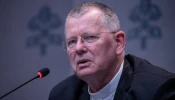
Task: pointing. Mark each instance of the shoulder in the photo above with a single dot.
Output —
(142, 66)
(65, 89)
(149, 80)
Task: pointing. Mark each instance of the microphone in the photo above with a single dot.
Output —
(42, 73)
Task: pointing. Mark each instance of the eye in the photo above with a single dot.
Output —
(90, 38)
(71, 42)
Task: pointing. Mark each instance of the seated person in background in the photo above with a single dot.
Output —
(95, 46)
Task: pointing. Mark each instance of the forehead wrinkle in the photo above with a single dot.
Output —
(91, 22)
(71, 26)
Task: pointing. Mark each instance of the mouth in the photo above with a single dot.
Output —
(83, 62)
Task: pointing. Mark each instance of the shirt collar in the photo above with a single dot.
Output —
(109, 88)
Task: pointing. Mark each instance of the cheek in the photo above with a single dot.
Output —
(71, 58)
(103, 48)
(70, 54)
(103, 51)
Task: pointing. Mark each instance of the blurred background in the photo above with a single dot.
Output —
(31, 32)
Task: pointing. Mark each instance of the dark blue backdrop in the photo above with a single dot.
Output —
(31, 32)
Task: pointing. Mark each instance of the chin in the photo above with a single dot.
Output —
(84, 73)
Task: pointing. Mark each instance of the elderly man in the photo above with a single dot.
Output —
(95, 46)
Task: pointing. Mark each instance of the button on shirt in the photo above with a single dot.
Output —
(107, 92)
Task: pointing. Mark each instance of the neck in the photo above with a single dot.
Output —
(98, 81)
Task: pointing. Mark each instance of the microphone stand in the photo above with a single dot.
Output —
(19, 87)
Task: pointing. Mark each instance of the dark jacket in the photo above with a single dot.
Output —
(140, 80)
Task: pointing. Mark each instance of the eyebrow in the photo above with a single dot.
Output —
(83, 34)
(87, 33)
(69, 38)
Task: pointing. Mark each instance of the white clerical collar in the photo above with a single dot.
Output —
(109, 88)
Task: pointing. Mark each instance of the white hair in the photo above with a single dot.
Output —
(109, 19)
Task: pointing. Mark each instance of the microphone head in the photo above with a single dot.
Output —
(43, 72)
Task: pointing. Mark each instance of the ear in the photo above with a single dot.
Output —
(120, 39)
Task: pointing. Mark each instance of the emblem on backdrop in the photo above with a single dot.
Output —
(42, 26)
(145, 15)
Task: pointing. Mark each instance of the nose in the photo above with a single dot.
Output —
(80, 47)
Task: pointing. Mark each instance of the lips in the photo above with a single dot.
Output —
(82, 62)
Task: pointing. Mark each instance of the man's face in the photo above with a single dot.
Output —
(94, 57)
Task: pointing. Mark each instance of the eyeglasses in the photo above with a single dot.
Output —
(88, 39)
